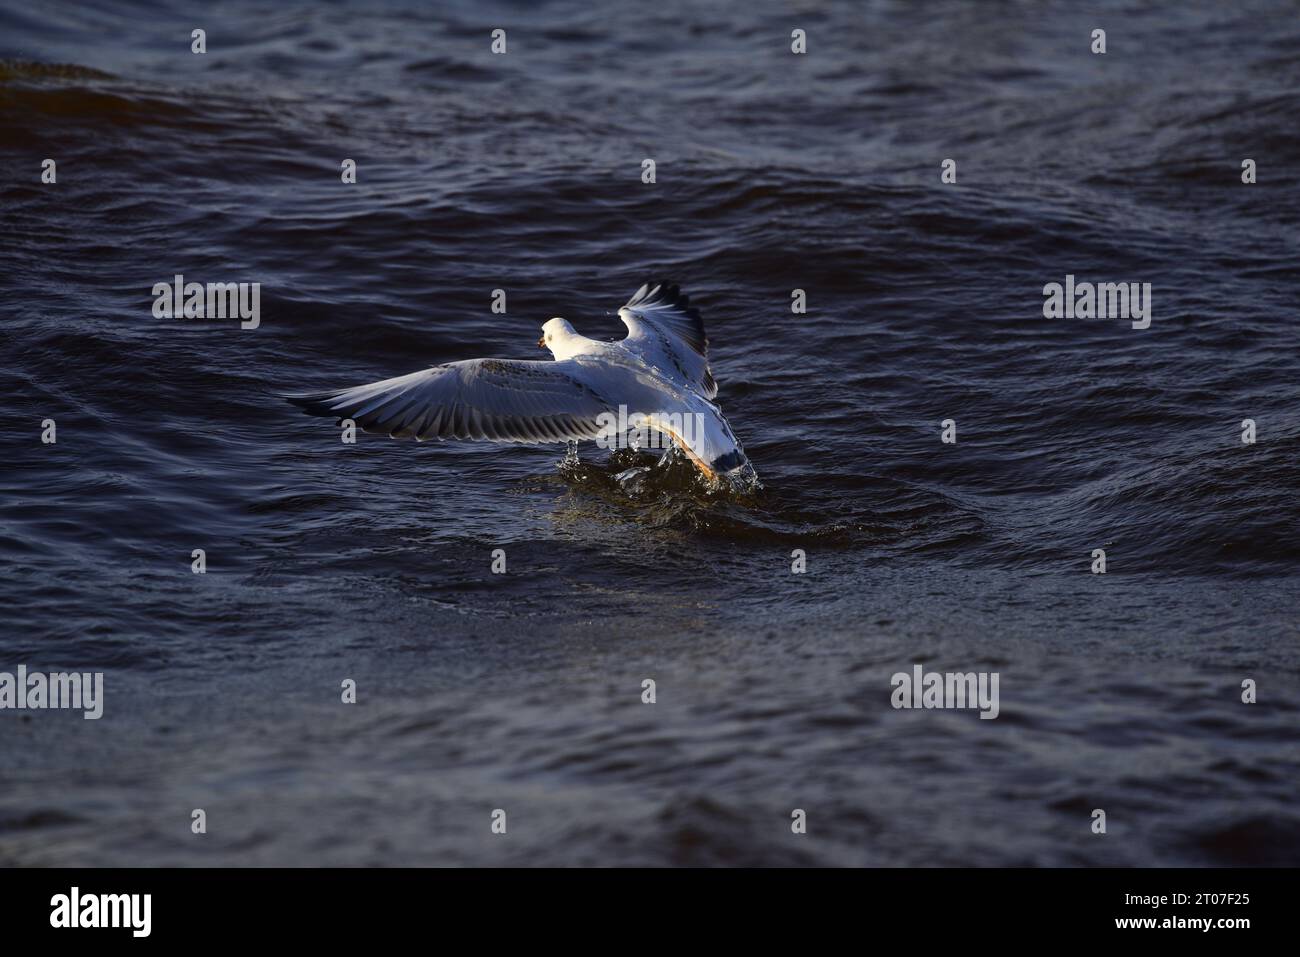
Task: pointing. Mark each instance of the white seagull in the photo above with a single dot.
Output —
(657, 379)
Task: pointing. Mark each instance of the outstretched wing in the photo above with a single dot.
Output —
(667, 331)
(497, 400)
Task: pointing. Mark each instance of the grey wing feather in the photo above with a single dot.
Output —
(495, 400)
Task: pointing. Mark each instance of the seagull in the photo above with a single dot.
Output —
(656, 380)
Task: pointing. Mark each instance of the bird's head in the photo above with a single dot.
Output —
(557, 335)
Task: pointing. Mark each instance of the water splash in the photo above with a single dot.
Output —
(640, 475)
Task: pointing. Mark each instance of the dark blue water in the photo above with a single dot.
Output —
(774, 172)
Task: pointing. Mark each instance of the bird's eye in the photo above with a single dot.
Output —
(548, 337)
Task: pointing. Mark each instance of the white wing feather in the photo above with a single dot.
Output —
(496, 400)
(665, 330)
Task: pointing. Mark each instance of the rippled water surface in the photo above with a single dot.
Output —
(775, 172)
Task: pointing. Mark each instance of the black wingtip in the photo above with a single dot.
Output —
(311, 403)
(660, 292)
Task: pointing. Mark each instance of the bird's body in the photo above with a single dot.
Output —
(657, 379)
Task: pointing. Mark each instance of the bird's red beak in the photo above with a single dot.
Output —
(541, 343)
